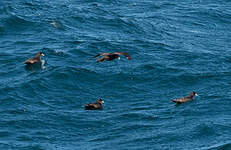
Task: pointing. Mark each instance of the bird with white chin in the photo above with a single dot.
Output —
(34, 60)
(112, 56)
(185, 99)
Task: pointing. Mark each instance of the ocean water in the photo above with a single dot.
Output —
(176, 47)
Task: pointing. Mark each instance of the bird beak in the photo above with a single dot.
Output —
(102, 102)
(42, 54)
(119, 58)
(196, 94)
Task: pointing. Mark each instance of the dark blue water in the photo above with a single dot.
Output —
(176, 47)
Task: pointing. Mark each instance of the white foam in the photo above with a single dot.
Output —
(43, 64)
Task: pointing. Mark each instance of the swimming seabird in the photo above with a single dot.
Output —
(111, 56)
(185, 99)
(93, 106)
(36, 59)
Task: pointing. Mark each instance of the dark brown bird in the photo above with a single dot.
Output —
(34, 60)
(111, 56)
(93, 106)
(185, 99)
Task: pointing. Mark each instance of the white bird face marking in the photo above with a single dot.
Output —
(119, 58)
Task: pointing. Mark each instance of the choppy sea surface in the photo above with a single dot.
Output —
(176, 47)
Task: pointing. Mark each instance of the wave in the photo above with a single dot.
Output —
(15, 23)
(210, 13)
(219, 146)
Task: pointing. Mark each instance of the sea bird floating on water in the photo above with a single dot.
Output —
(111, 56)
(185, 99)
(93, 106)
(34, 60)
